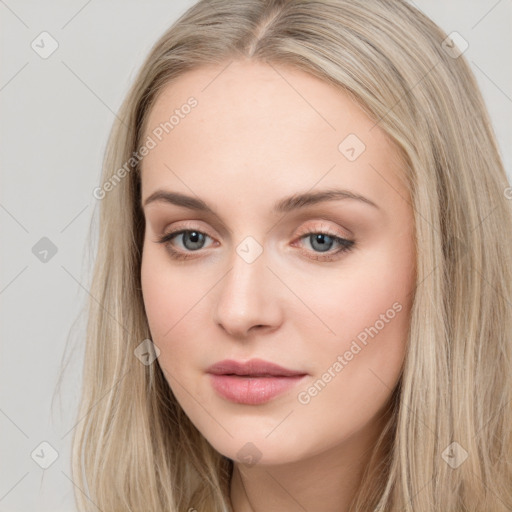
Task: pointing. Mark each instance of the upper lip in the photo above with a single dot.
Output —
(253, 367)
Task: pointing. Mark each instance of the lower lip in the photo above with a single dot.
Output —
(252, 390)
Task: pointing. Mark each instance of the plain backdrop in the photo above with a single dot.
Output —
(56, 113)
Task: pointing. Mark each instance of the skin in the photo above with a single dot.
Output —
(255, 137)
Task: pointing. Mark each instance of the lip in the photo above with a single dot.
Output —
(251, 390)
(252, 368)
(252, 382)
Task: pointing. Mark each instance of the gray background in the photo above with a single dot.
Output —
(56, 116)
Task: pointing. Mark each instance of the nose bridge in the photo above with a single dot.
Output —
(245, 298)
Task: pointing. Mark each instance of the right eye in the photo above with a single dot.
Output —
(192, 240)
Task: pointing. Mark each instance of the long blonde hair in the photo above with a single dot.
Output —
(135, 449)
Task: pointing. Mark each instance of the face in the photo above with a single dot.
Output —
(249, 268)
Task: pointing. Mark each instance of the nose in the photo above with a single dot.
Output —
(248, 299)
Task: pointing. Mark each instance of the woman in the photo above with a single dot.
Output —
(302, 288)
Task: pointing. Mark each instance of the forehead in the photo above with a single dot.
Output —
(257, 126)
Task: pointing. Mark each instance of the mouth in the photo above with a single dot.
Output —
(252, 383)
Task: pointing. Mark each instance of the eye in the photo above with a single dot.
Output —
(192, 240)
(321, 241)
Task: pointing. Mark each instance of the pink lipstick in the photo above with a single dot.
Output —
(252, 382)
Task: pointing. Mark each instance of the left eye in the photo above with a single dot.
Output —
(322, 241)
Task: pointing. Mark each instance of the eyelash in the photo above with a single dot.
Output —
(345, 244)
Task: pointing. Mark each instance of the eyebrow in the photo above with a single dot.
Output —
(285, 205)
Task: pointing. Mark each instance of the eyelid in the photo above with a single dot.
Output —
(324, 227)
(190, 225)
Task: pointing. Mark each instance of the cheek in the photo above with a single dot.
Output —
(354, 377)
(172, 300)
(369, 288)
(167, 291)
(369, 311)
(159, 295)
